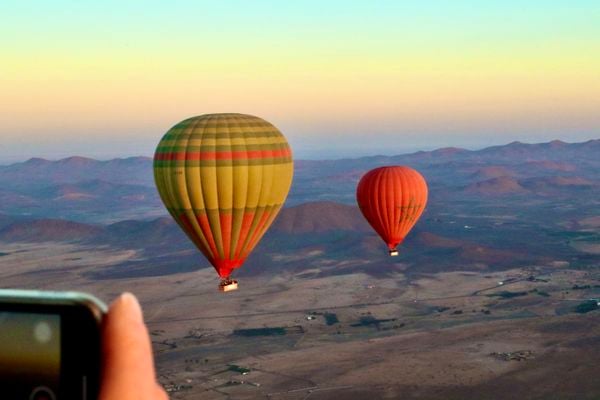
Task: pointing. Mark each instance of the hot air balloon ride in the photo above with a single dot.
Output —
(392, 199)
(223, 178)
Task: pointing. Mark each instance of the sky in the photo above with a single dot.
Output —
(339, 78)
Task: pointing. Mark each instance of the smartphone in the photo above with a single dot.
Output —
(49, 345)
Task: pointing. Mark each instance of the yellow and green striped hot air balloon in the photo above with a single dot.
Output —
(224, 178)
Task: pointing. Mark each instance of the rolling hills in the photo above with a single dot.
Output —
(492, 273)
(87, 190)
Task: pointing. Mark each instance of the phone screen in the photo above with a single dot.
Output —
(30, 355)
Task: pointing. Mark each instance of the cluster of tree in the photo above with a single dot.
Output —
(587, 306)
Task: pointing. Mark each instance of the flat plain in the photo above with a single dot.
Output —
(459, 334)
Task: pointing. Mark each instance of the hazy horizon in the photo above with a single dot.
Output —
(305, 153)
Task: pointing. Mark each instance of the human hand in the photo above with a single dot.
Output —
(127, 362)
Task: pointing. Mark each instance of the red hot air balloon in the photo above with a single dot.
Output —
(392, 199)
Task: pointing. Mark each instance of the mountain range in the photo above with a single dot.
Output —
(87, 190)
(484, 208)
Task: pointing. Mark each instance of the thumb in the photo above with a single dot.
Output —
(128, 366)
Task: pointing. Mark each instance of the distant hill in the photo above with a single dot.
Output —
(448, 171)
(45, 230)
(547, 166)
(314, 217)
(505, 185)
(41, 172)
(555, 155)
(94, 200)
(306, 218)
(86, 190)
(467, 251)
(93, 189)
(433, 240)
(160, 232)
(492, 171)
(543, 183)
(320, 216)
(556, 150)
(502, 185)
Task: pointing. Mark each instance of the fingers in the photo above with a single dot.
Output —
(128, 365)
(160, 393)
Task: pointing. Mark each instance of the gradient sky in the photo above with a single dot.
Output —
(339, 78)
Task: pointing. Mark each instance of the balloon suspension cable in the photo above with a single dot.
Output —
(227, 284)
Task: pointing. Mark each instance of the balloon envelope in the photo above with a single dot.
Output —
(223, 178)
(392, 199)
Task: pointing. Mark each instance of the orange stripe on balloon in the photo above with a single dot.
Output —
(244, 230)
(205, 226)
(258, 232)
(226, 220)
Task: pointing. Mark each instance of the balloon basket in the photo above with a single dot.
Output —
(393, 253)
(228, 285)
